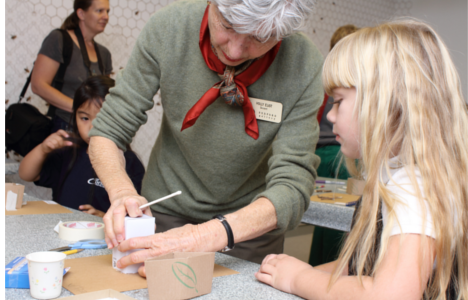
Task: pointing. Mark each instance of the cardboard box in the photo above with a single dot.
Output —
(134, 227)
(13, 196)
(180, 275)
(355, 187)
(100, 295)
(16, 273)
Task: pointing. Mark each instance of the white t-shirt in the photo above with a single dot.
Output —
(408, 212)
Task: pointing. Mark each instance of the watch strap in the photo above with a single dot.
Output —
(229, 232)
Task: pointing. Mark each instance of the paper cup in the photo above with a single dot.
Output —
(45, 274)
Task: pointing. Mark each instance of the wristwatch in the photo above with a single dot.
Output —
(230, 235)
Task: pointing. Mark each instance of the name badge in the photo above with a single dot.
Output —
(267, 110)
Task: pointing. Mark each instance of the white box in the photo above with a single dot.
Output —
(134, 227)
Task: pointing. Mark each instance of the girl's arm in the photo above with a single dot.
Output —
(89, 209)
(398, 277)
(329, 267)
(31, 165)
(45, 69)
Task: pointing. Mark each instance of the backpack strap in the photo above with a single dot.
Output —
(67, 52)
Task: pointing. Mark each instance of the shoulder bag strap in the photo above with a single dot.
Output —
(84, 53)
(25, 87)
(100, 63)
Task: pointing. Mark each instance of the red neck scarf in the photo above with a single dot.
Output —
(242, 81)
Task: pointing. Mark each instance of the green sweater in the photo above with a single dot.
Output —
(216, 165)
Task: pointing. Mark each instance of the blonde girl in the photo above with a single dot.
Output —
(398, 109)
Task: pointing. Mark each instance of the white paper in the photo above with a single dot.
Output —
(11, 201)
(50, 202)
(56, 228)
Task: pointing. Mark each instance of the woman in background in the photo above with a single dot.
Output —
(88, 19)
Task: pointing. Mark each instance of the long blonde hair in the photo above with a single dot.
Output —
(408, 98)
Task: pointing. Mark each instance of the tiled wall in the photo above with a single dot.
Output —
(27, 22)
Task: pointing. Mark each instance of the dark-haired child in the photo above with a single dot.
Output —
(62, 163)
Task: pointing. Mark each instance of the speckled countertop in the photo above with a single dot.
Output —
(25, 234)
(329, 215)
(11, 166)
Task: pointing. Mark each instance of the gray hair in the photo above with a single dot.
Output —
(266, 18)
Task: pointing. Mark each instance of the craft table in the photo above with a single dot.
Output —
(329, 215)
(11, 166)
(26, 234)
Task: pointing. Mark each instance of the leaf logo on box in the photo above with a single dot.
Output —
(185, 274)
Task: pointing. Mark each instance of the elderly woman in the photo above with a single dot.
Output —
(88, 19)
(242, 173)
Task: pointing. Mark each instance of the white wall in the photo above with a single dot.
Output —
(449, 19)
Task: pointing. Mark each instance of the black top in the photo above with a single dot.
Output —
(82, 184)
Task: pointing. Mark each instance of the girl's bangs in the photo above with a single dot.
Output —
(339, 66)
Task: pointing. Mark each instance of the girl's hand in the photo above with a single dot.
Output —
(280, 271)
(56, 141)
(91, 210)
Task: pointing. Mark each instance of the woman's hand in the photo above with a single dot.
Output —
(89, 209)
(55, 141)
(280, 271)
(126, 202)
(188, 238)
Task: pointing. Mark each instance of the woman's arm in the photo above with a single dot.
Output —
(108, 161)
(247, 223)
(31, 165)
(44, 72)
(398, 277)
(109, 164)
